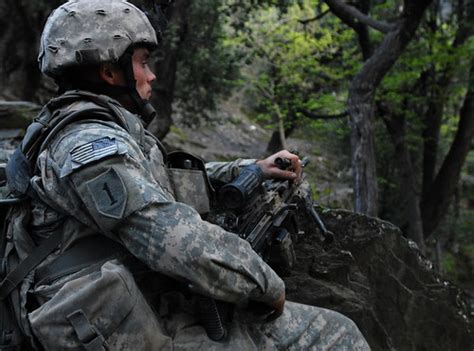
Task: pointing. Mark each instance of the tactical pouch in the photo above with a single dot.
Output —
(189, 180)
(10, 336)
(101, 310)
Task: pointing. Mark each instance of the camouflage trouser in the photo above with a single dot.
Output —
(105, 310)
(301, 327)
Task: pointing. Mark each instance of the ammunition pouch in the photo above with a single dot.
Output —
(189, 180)
(77, 317)
(10, 335)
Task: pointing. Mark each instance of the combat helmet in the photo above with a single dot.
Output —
(90, 32)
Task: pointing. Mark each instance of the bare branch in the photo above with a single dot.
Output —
(313, 19)
(313, 115)
(353, 17)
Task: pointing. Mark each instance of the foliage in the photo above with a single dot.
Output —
(290, 66)
(410, 87)
(290, 57)
(429, 78)
(207, 68)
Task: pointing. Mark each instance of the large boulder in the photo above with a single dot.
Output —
(379, 279)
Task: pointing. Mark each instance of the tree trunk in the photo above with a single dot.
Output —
(362, 31)
(167, 66)
(436, 202)
(21, 24)
(281, 127)
(435, 85)
(361, 111)
(274, 145)
(278, 139)
(432, 125)
(361, 104)
(410, 206)
(439, 190)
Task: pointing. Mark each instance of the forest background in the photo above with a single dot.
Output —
(386, 88)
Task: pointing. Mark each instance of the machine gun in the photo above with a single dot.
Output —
(265, 213)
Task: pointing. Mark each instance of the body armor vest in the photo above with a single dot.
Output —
(19, 253)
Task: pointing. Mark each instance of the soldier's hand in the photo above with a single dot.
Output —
(271, 169)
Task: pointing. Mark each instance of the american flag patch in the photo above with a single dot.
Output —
(95, 150)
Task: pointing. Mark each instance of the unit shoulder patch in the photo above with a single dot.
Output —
(108, 193)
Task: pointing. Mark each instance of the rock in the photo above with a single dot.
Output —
(375, 276)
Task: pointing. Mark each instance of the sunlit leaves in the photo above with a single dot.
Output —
(292, 64)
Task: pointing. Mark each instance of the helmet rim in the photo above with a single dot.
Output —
(90, 32)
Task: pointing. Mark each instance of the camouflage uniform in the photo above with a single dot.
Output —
(98, 178)
(101, 178)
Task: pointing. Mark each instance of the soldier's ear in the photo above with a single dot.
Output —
(110, 74)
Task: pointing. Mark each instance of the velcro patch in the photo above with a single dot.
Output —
(108, 193)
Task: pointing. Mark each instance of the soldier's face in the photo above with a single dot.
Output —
(143, 74)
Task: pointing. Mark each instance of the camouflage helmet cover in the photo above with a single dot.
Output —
(88, 32)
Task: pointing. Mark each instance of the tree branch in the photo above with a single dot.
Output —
(313, 19)
(448, 175)
(353, 17)
(435, 204)
(315, 116)
(361, 103)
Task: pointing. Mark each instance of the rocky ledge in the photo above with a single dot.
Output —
(378, 278)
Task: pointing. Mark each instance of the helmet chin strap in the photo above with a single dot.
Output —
(129, 90)
(143, 107)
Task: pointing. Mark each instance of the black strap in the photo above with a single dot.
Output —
(14, 278)
(143, 107)
(10, 336)
(90, 338)
(86, 253)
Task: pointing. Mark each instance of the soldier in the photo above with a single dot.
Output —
(126, 261)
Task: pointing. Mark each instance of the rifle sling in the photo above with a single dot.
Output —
(14, 278)
(87, 252)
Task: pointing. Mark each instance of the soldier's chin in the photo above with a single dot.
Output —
(145, 95)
